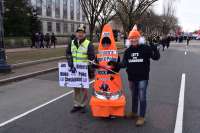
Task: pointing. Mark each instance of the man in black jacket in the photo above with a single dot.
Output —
(85, 49)
(136, 60)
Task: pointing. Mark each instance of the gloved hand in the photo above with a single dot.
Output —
(73, 69)
(115, 65)
(70, 62)
(112, 63)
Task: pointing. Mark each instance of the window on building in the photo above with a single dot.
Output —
(49, 26)
(1, 7)
(65, 27)
(72, 28)
(58, 27)
(78, 11)
(49, 8)
(72, 9)
(57, 8)
(83, 16)
(65, 9)
(39, 7)
(75, 26)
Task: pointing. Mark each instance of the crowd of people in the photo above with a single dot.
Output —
(39, 40)
(164, 41)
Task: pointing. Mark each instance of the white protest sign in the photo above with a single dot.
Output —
(79, 79)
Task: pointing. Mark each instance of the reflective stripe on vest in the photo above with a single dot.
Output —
(80, 54)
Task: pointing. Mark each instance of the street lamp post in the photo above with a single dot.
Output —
(164, 21)
(4, 67)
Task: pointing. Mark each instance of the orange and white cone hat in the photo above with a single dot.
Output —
(134, 33)
(108, 33)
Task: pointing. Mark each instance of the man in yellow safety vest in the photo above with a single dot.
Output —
(80, 50)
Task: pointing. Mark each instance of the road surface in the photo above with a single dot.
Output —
(29, 106)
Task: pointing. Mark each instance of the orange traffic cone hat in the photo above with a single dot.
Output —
(107, 36)
(134, 33)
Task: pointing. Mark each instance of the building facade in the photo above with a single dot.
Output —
(61, 17)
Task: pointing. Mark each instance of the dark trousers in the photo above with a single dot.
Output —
(139, 92)
(188, 42)
(53, 43)
(33, 44)
(47, 44)
(163, 47)
(41, 44)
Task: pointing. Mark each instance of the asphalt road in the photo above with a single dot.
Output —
(163, 99)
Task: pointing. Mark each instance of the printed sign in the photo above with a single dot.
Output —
(106, 34)
(78, 78)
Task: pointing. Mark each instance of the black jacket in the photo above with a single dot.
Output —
(90, 53)
(53, 38)
(137, 61)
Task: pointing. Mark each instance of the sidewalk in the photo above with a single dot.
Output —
(29, 49)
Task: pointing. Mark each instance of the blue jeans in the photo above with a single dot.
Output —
(139, 92)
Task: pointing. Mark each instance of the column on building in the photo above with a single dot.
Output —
(65, 16)
(60, 16)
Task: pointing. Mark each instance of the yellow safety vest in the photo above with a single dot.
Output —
(80, 54)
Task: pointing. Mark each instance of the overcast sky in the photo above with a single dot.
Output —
(188, 13)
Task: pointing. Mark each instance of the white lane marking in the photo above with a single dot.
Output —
(36, 108)
(180, 110)
(186, 50)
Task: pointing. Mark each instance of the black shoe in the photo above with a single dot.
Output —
(75, 109)
(83, 110)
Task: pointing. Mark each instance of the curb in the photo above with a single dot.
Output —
(25, 76)
(19, 65)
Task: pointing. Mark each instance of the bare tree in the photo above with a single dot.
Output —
(107, 14)
(151, 23)
(92, 9)
(130, 11)
(168, 17)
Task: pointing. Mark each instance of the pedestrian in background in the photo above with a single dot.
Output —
(176, 38)
(47, 40)
(188, 40)
(163, 43)
(168, 40)
(37, 40)
(53, 40)
(125, 37)
(41, 38)
(33, 39)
